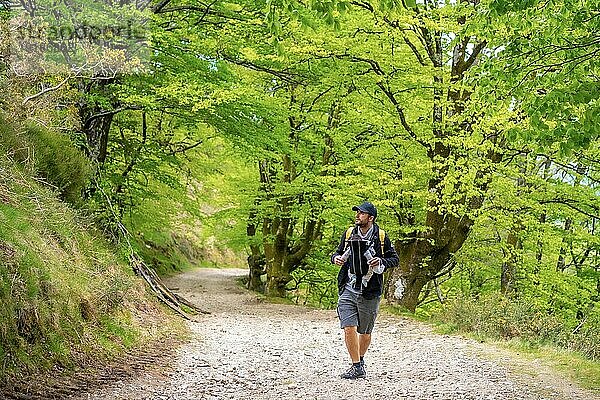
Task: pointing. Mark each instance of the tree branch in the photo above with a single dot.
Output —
(46, 90)
(186, 148)
(363, 4)
(205, 10)
(88, 122)
(473, 57)
(375, 67)
(567, 202)
(158, 8)
(288, 77)
(415, 51)
(400, 112)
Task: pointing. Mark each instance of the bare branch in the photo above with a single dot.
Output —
(46, 90)
(415, 51)
(88, 122)
(568, 203)
(400, 112)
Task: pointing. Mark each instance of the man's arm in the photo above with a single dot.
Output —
(390, 257)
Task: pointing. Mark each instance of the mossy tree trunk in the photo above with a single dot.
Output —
(427, 254)
(96, 119)
(286, 238)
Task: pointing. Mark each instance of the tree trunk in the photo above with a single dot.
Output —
(95, 120)
(509, 266)
(277, 279)
(426, 257)
(561, 263)
(539, 253)
(428, 254)
(97, 129)
(512, 254)
(567, 241)
(256, 260)
(277, 275)
(282, 258)
(284, 243)
(256, 271)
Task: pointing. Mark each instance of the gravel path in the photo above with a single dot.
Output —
(248, 349)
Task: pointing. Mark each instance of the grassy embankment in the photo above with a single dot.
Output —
(68, 297)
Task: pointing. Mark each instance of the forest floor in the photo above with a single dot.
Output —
(250, 349)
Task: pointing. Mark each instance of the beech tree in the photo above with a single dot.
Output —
(460, 143)
(457, 151)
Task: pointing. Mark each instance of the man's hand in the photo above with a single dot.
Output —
(338, 260)
(374, 262)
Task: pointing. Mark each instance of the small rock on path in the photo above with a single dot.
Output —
(248, 349)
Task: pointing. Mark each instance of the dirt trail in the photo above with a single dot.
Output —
(248, 349)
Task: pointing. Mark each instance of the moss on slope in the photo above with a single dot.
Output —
(67, 296)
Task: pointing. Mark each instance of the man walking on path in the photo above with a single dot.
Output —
(360, 282)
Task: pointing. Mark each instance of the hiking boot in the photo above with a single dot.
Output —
(354, 372)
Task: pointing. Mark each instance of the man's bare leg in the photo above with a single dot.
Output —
(364, 341)
(352, 343)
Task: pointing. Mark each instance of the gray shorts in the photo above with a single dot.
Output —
(355, 310)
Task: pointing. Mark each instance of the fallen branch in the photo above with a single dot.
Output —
(170, 299)
(189, 304)
(139, 267)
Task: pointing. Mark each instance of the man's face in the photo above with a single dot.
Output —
(363, 219)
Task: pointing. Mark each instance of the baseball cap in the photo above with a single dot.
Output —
(366, 207)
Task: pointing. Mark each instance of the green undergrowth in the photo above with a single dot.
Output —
(195, 223)
(499, 317)
(180, 227)
(517, 327)
(163, 253)
(569, 363)
(169, 253)
(68, 297)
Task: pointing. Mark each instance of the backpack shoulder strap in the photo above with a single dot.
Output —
(349, 232)
(381, 238)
